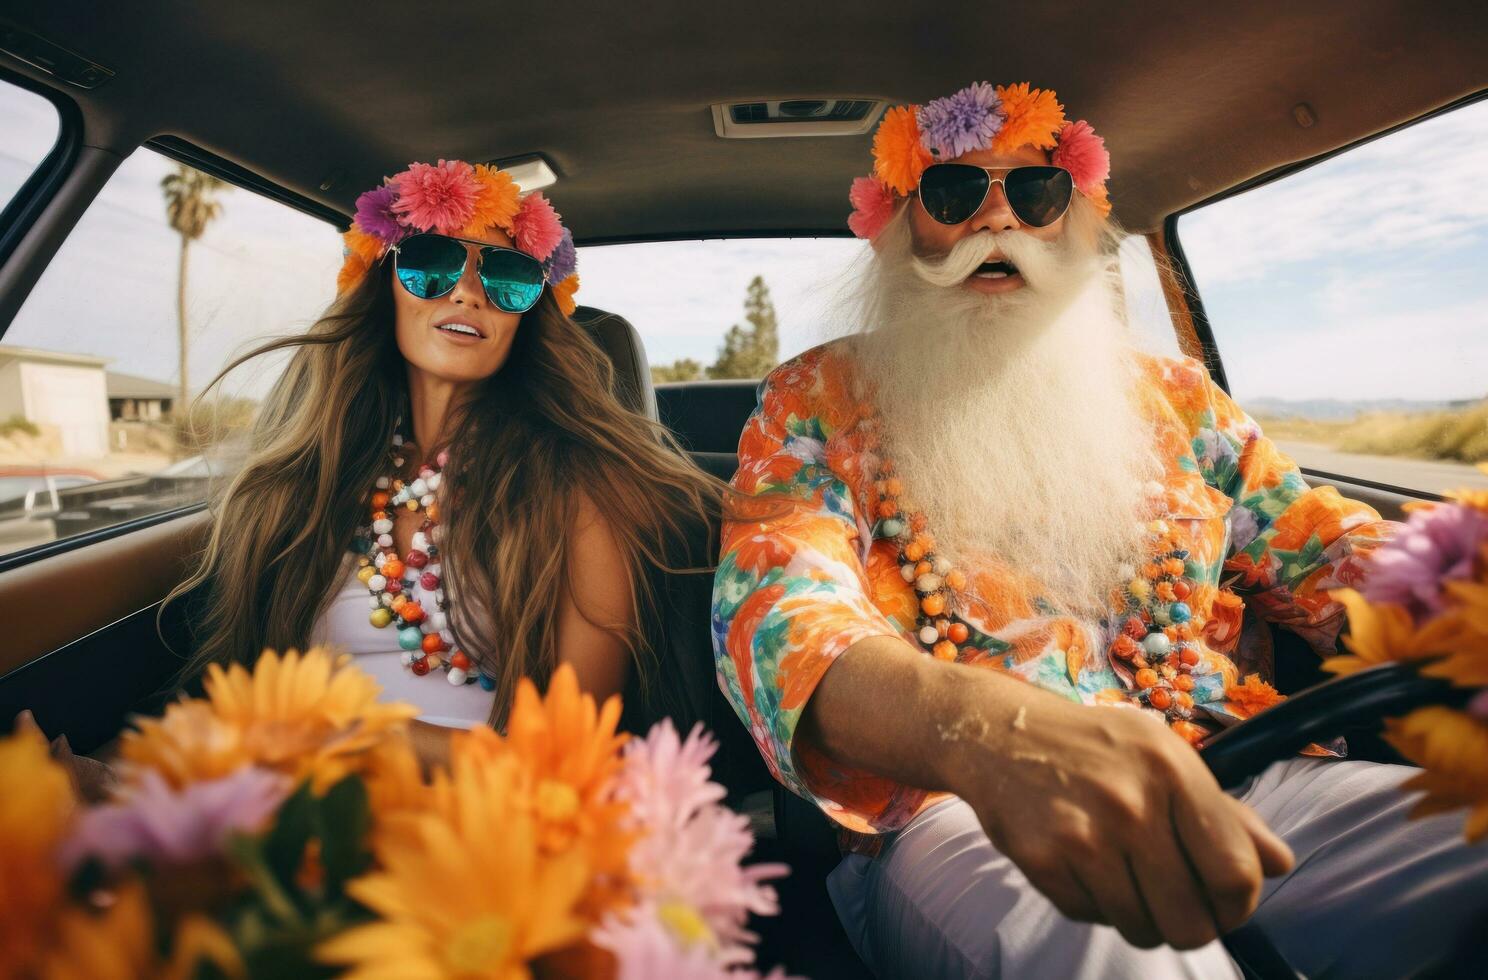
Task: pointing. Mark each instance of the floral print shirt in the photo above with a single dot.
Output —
(815, 572)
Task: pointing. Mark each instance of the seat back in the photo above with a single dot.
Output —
(620, 341)
(707, 416)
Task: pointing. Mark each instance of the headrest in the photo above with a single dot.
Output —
(617, 338)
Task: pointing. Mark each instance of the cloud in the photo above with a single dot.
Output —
(1420, 189)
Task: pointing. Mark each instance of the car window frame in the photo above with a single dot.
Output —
(58, 165)
(21, 212)
(1213, 359)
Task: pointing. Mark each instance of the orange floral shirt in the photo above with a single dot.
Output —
(817, 572)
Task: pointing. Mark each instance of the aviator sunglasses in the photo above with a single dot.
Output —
(953, 192)
(430, 265)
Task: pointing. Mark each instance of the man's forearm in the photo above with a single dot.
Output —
(886, 708)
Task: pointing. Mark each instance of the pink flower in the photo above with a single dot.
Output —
(437, 198)
(1437, 544)
(1083, 154)
(691, 850)
(161, 825)
(645, 949)
(537, 229)
(873, 206)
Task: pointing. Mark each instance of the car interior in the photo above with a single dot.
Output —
(644, 113)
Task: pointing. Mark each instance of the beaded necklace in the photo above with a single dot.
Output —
(1154, 650)
(395, 584)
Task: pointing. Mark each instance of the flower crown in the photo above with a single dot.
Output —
(979, 117)
(455, 198)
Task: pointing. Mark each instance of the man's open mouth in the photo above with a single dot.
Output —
(1000, 269)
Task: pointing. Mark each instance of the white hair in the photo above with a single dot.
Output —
(1012, 418)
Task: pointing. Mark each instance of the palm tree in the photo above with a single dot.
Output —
(189, 208)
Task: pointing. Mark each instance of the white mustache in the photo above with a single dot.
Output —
(1032, 257)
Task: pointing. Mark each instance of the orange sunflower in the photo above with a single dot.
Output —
(36, 805)
(898, 156)
(564, 293)
(309, 716)
(1380, 633)
(118, 943)
(465, 890)
(568, 752)
(496, 203)
(1034, 118)
(1452, 749)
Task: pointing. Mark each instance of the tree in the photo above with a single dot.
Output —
(685, 369)
(750, 351)
(189, 207)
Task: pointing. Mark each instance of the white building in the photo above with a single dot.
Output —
(68, 392)
(135, 399)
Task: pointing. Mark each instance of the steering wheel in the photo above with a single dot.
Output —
(1322, 711)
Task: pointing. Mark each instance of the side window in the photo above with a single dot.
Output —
(28, 130)
(1146, 307)
(1349, 305)
(169, 275)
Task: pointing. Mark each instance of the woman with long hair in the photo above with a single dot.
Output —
(442, 482)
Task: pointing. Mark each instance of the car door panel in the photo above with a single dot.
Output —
(88, 651)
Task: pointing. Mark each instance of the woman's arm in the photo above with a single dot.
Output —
(597, 611)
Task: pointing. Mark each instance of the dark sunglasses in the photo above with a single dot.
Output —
(953, 192)
(429, 265)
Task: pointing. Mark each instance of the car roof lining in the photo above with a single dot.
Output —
(1193, 100)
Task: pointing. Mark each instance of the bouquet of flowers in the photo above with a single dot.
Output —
(1425, 599)
(282, 826)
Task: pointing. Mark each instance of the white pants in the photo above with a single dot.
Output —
(1372, 895)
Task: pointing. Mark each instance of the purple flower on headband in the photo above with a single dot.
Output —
(374, 213)
(1438, 544)
(962, 122)
(564, 261)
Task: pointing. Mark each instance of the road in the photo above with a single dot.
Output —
(1434, 475)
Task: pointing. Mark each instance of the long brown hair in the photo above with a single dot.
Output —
(535, 436)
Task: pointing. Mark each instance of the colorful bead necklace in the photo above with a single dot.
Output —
(1154, 649)
(423, 633)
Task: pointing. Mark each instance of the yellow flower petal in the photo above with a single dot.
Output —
(1451, 747)
(309, 716)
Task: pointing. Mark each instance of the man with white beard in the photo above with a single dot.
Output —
(992, 589)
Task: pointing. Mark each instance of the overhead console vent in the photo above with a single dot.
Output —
(796, 117)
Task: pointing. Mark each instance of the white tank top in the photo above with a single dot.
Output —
(345, 626)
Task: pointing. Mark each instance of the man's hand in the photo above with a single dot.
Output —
(1110, 815)
(1116, 820)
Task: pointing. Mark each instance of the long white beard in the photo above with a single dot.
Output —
(1012, 419)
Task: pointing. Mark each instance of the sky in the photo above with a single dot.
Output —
(1365, 276)
(1358, 278)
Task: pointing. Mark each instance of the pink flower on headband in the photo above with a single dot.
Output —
(962, 122)
(873, 206)
(437, 198)
(536, 228)
(375, 216)
(1083, 154)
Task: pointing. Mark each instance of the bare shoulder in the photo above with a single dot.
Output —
(598, 572)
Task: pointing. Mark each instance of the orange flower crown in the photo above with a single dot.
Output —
(978, 117)
(456, 198)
